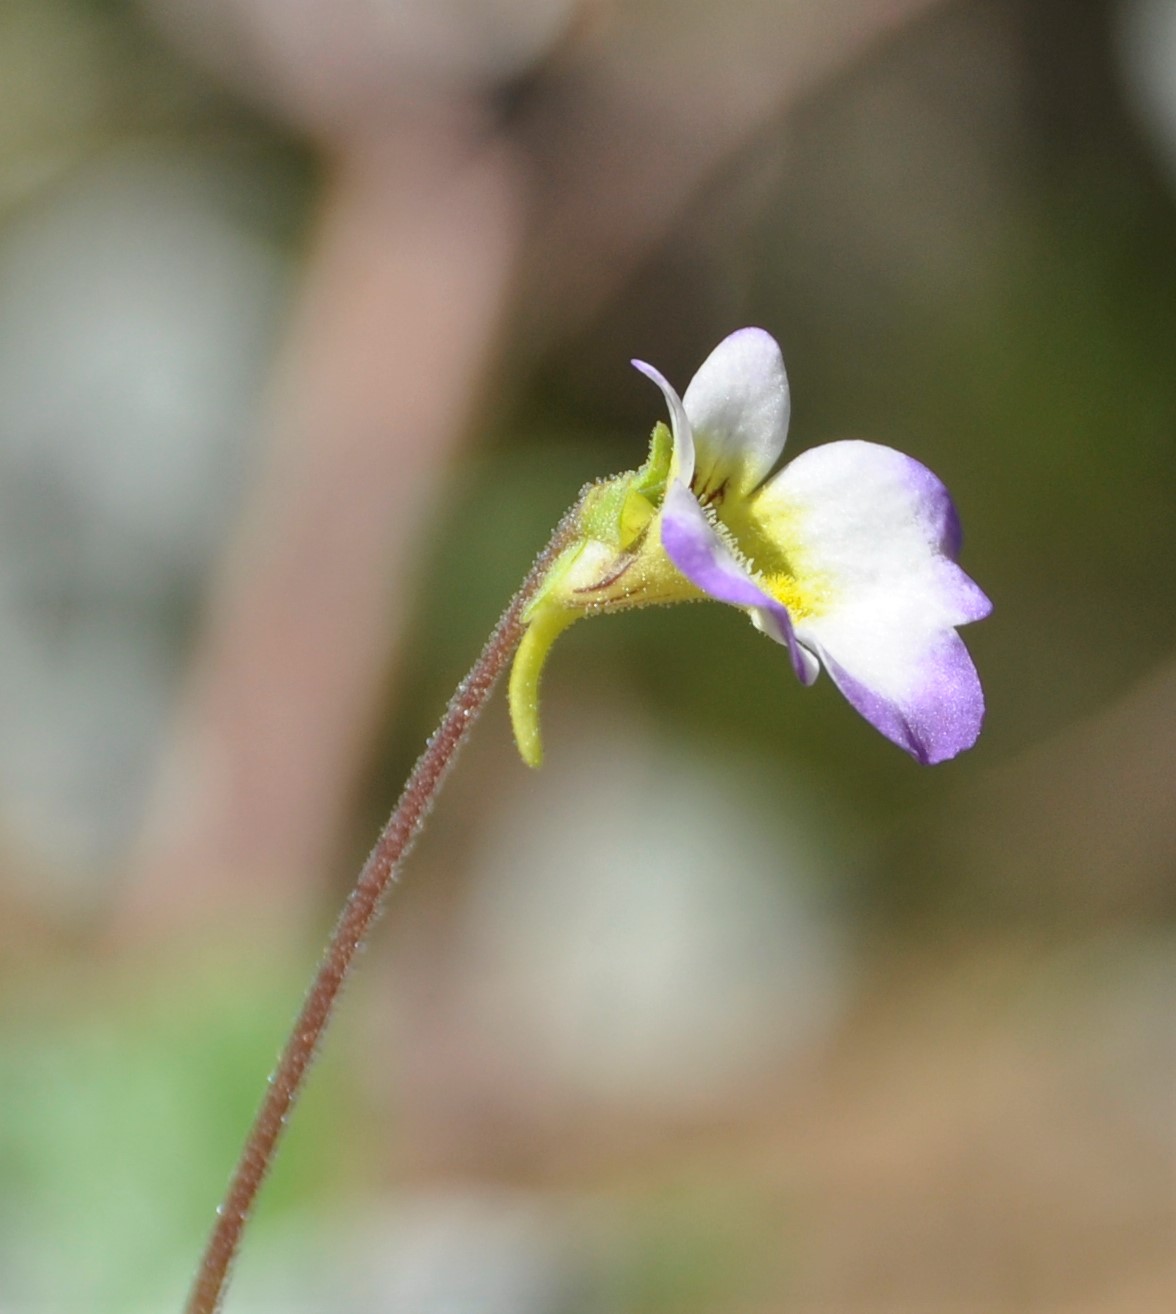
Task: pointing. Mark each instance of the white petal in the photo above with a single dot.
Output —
(857, 518)
(870, 534)
(913, 680)
(738, 404)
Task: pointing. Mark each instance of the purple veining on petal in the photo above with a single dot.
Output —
(699, 553)
(682, 466)
(942, 714)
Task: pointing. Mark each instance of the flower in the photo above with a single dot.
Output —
(846, 556)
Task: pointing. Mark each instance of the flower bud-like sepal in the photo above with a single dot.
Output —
(613, 563)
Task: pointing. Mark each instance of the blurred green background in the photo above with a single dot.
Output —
(314, 317)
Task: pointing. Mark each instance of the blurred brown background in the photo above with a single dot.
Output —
(314, 316)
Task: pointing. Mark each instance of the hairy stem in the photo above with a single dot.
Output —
(355, 923)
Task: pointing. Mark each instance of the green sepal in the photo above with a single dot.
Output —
(612, 521)
(652, 477)
(617, 511)
(545, 624)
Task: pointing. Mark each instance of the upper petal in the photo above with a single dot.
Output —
(682, 463)
(738, 405)
(693, 545)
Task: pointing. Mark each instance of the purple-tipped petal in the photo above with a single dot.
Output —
(879, 534)
(941, 712)
(738, 404)
(682, 463)
(700, 554)
(865, 516)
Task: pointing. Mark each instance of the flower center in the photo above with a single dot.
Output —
(771, 558)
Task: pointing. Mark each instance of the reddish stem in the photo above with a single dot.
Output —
(355, 923)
